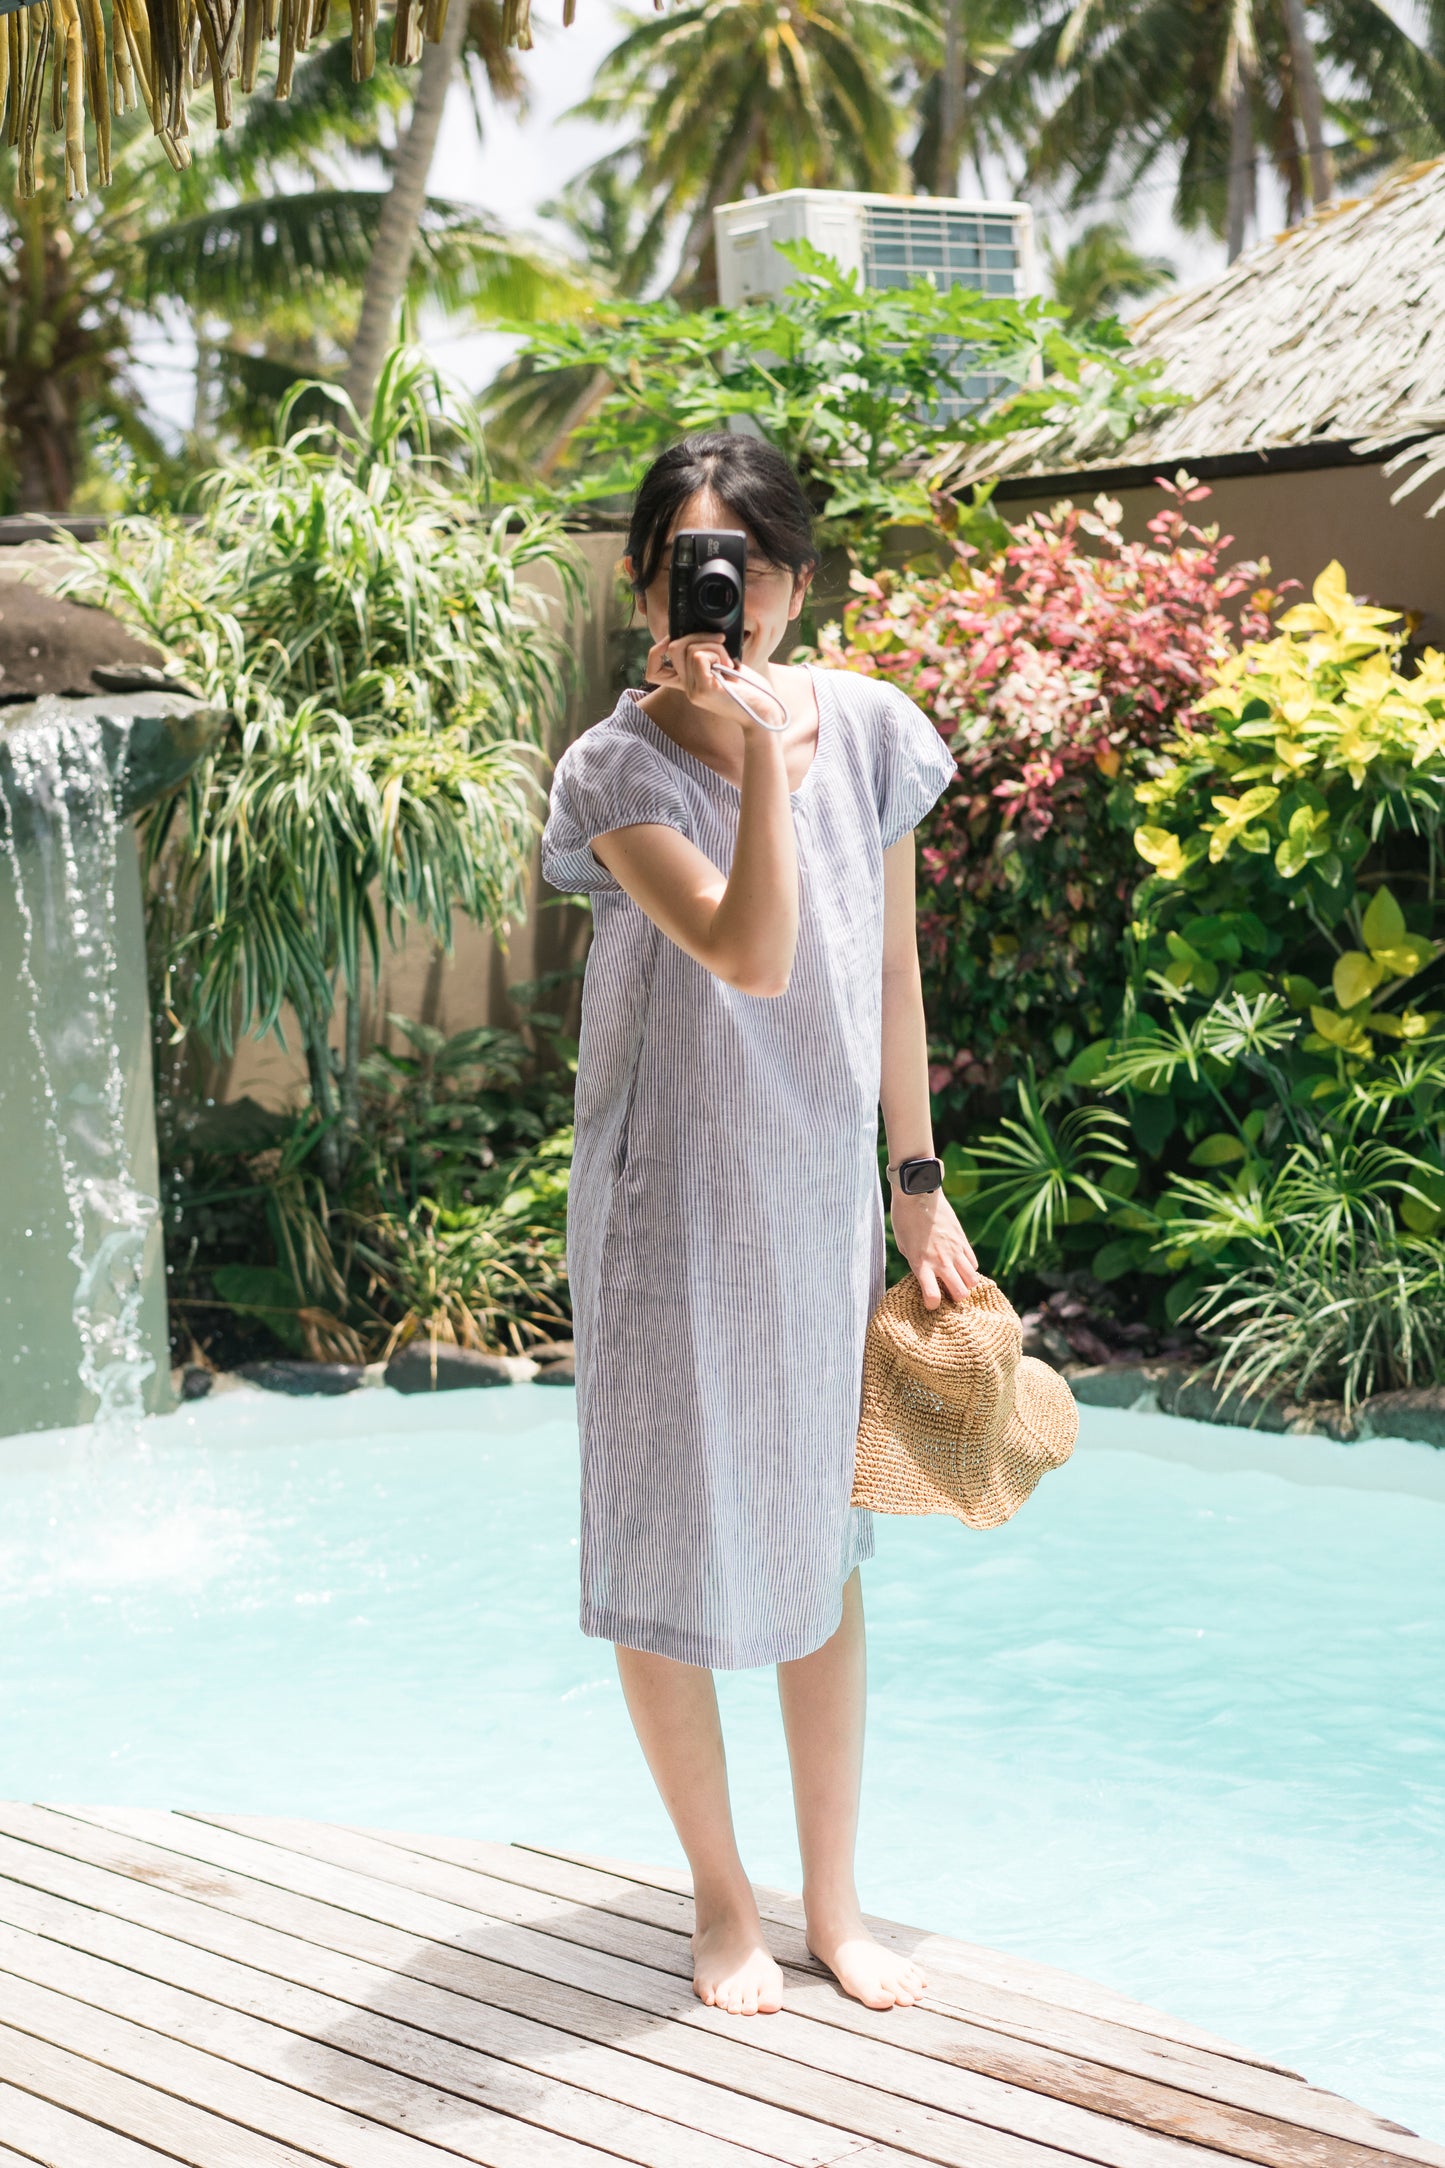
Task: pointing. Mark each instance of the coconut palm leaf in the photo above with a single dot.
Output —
(221, 259)
(774, 93)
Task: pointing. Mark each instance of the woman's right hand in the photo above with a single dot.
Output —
(690, 666)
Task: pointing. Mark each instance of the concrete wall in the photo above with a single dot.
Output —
(468, 987)
(1393, 556)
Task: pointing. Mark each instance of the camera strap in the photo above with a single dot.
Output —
(726, 671)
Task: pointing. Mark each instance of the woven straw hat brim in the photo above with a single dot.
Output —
(970, 1432)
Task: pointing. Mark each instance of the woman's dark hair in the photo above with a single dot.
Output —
(749, 476)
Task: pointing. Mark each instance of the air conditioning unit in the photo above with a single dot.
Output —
(890, 240)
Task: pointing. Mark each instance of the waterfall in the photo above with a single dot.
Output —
(61, 831)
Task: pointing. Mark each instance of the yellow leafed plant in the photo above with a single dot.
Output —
(1309, 802)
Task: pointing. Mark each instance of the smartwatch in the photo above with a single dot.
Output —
(917, 1177)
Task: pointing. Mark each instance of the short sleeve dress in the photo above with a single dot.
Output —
(725, 1221)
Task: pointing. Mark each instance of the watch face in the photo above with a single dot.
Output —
(916, 1177)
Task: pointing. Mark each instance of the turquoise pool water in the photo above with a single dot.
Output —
(1178, 1727)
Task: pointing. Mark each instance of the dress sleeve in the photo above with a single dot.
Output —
(914, 767)
(605, 781)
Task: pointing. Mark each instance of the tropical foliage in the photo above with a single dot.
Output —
(449, 1218)
(358, 601)
(1258, 1133)
(264, 242)
(1122, 88)
(1057, 671)
(1100, 270)
(772, 93)
(859, 386)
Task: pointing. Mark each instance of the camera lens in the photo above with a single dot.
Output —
(718, 594)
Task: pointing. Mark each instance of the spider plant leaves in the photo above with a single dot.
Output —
(363, 604)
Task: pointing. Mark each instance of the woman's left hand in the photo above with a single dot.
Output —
(927, 1230)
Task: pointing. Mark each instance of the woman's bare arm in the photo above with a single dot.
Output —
(741, 926)
(926, 1228)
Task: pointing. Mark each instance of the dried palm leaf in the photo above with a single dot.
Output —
(77, 56)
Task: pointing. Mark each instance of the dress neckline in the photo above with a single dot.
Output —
(693, 766)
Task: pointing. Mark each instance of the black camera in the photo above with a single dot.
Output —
(705, 590)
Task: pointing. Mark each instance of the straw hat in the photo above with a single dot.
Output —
(956, 1419)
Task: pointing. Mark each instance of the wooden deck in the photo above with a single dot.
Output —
(235, 1993)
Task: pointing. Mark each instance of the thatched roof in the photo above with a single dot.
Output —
(1322, 345)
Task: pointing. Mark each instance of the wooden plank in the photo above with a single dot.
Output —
(454, 1945)
(809, 2028)
(365, 2133)
(1250, 2086)
(142, 1975)
(151, 1932)
(133, 1875)
(57, 2139)
(1058, 2077)
(963, 1960)
(37, 2071)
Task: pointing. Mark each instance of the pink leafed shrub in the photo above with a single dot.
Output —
(1054, 671)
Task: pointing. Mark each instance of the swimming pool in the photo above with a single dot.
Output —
(1180, 1727)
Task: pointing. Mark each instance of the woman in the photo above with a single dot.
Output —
(751, 993)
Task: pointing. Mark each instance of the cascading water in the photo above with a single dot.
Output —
(82, 1287)
(61, 829)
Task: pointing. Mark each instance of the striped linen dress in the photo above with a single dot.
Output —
(725, 1224)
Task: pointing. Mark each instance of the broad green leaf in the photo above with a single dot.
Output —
(1114, 1260)
(1404, 958)
(1088, 1062)
(960, 1171)
(1355, 977)
(1152, 1118)
(1340, 1031)
(1218, 1150)
(1419, 1217)
(1409, 1024)
(1384, 922)
(1162, 850)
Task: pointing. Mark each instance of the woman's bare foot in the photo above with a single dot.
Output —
(878, 1977)
(732, 1969)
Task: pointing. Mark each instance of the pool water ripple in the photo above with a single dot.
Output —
(1178, 1727)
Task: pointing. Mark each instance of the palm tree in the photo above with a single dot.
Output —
(1211, 85)
(238, 237)
(1099, 269)
(726, 94)
(966, 44)
(481, 31)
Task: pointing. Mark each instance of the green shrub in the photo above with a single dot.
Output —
(1276, 1056)
(1056, 672)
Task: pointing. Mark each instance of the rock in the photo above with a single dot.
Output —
(552, 1351)
(51, 644)
(1200, 1399)
(558, 1373)
(195, 1382)
(435, 1366)
(1143, 1386)
(1417, 1414)
(289, 1374)
(1327, 1419)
